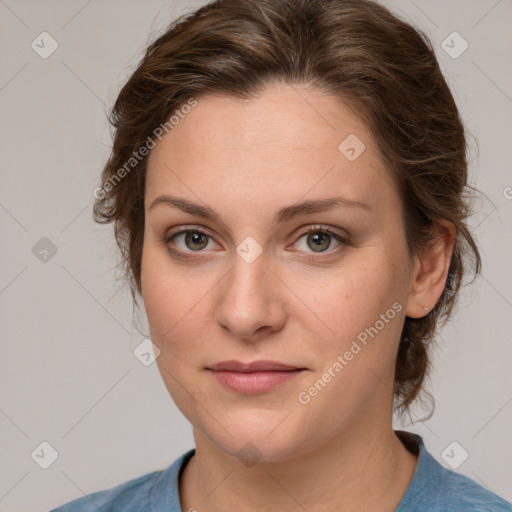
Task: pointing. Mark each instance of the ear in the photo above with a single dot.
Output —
(430, 271)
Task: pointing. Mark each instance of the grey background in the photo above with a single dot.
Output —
(68, 375)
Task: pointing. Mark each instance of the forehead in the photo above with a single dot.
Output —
(287, 144)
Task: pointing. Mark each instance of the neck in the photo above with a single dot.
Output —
(369, 472)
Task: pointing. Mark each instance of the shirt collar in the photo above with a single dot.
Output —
(165, 492)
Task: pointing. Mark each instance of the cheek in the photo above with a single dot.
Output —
(364, 313)
(176, 304)
(173, 305)
(165, 298)
(362, 306)
(352, 297)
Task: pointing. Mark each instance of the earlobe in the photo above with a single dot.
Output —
(431, 271)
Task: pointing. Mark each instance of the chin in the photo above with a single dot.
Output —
(259, 438)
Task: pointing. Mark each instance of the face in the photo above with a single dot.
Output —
(246, 260)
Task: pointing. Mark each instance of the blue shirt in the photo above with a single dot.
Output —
(433, 488)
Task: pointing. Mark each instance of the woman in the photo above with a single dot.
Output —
(288, 188)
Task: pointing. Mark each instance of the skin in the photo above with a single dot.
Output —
(246, 159)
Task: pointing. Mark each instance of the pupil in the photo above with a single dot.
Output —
(194, 238)
(321, 241)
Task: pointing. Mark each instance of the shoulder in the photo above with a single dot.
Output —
(147, 492)
(435, 488)
(130, 495)
(458, 492)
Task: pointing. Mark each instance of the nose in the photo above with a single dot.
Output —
(251, 300)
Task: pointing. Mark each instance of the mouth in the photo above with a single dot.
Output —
(255, 377)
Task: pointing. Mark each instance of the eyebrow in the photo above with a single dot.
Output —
(283, 215)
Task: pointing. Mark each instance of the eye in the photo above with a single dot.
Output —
(188, 240)
(315, 239)
(318, 239)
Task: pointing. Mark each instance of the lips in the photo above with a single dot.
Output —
(255, 377)
(255, 366)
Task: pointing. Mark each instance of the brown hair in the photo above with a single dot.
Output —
(355, 50)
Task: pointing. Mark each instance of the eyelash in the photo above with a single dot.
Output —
(312, 229)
